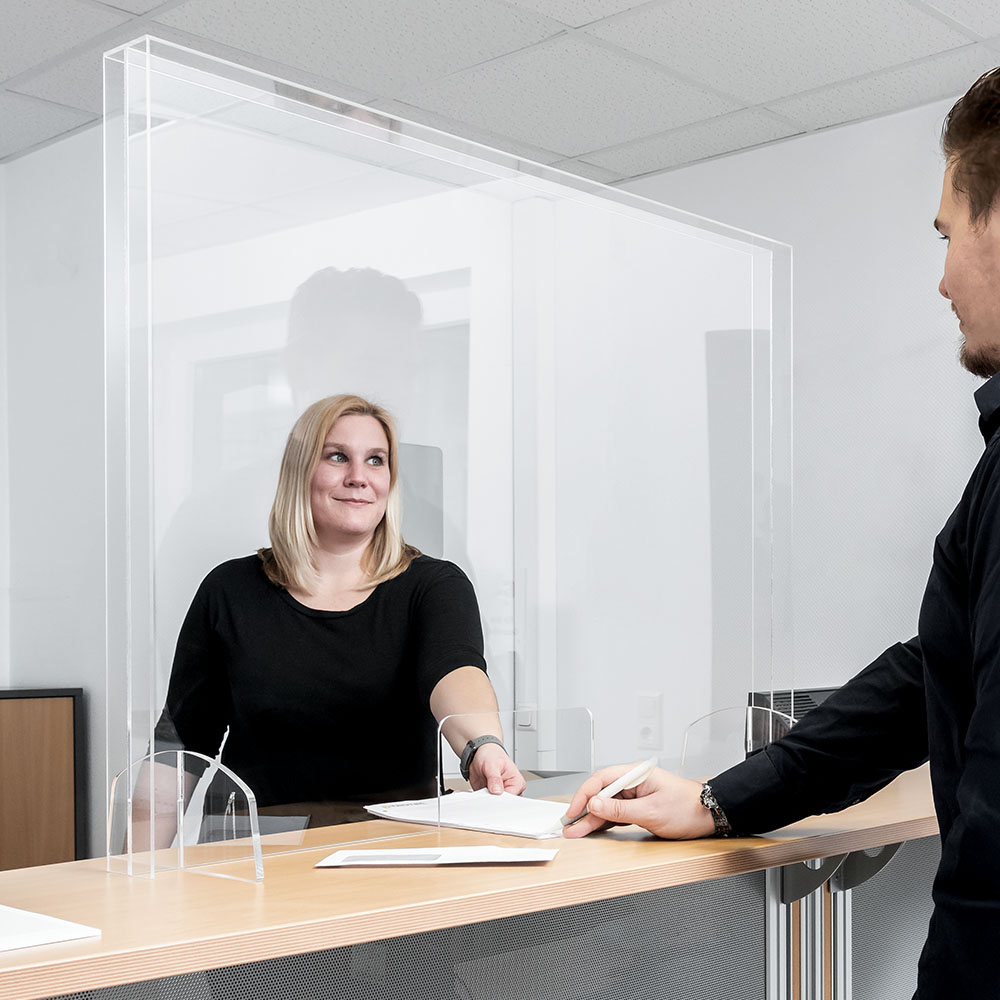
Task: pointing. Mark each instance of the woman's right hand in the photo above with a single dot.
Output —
(664, 804)
(491, 768)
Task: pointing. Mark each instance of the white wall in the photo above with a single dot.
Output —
(636, 306)
(54, 309)
(885, 423)
(4, 475)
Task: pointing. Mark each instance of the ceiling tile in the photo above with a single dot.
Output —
(451, 127)
(288, 72)
(36, 30)
(27, 122)
(577, 13)
(980, 16)
(589, 170)
(759, 50)
(378, 47)
(695, 142)
(77, 82)
(570, 96)
(893, 90)
(133, 6)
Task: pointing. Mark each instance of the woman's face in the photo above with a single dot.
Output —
(350, 484)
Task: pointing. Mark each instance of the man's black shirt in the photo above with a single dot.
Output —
(936, 696)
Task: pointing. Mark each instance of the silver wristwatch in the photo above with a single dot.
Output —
(723, 828)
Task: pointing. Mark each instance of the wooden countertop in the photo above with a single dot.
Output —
(182, 921)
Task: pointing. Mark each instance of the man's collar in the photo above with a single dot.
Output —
(988, 401)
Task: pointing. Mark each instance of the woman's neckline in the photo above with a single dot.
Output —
(329, 611)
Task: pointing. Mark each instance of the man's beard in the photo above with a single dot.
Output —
(984, 362)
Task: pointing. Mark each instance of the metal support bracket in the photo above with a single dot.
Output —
(798, 880)
(859, 866)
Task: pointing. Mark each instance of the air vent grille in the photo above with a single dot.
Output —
(792, 703)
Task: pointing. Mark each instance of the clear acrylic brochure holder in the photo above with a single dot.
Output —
(723, 738)
(177, 809)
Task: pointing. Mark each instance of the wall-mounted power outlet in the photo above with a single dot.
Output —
(525, 717)
(650, 718)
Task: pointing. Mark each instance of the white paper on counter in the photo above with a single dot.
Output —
(505, 813)
(486, 855)
(24, 929)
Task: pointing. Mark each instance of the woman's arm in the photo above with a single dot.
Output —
(164, 809)
(467, 695)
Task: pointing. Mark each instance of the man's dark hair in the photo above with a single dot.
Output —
(970, 139)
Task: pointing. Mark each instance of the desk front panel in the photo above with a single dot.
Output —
(690, 942)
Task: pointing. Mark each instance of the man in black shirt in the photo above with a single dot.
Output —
(936, 696)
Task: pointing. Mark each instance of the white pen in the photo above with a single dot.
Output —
(636, 776)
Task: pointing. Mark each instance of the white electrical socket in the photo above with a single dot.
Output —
(650, 717)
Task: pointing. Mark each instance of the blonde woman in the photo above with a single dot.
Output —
(329, 655)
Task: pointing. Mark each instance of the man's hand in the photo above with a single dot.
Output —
(491, 768)
(663, 804)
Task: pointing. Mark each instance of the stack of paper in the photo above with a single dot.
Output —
(505, 813)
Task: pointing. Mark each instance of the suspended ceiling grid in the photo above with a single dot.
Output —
(609, 89)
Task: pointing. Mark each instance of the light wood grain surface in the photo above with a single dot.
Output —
(181, 921)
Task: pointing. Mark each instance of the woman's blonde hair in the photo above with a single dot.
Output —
(289, 560)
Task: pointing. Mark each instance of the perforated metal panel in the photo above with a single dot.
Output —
(889, 916)
(683, 943)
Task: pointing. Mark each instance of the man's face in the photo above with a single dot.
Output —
(971, 280)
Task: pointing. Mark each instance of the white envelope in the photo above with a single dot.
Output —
(24, 929)
(486, 855)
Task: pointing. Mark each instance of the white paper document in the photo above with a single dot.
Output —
(505, 813)
(486, 855)
(24, 929)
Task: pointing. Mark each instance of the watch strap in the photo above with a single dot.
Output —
(470, 751)
(723, 828)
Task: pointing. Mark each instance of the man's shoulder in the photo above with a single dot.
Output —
(983, 486)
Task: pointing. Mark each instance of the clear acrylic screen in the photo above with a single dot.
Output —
(590, 390)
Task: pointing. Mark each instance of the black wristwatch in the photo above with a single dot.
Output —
(470, 751)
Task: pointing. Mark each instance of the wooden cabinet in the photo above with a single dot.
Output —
(42, 798)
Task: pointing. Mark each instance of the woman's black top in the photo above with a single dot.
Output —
(320, 705)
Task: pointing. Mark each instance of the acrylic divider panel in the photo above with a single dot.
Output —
(592, 392)
(552, 748)
(726, 736)
(204, 818)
